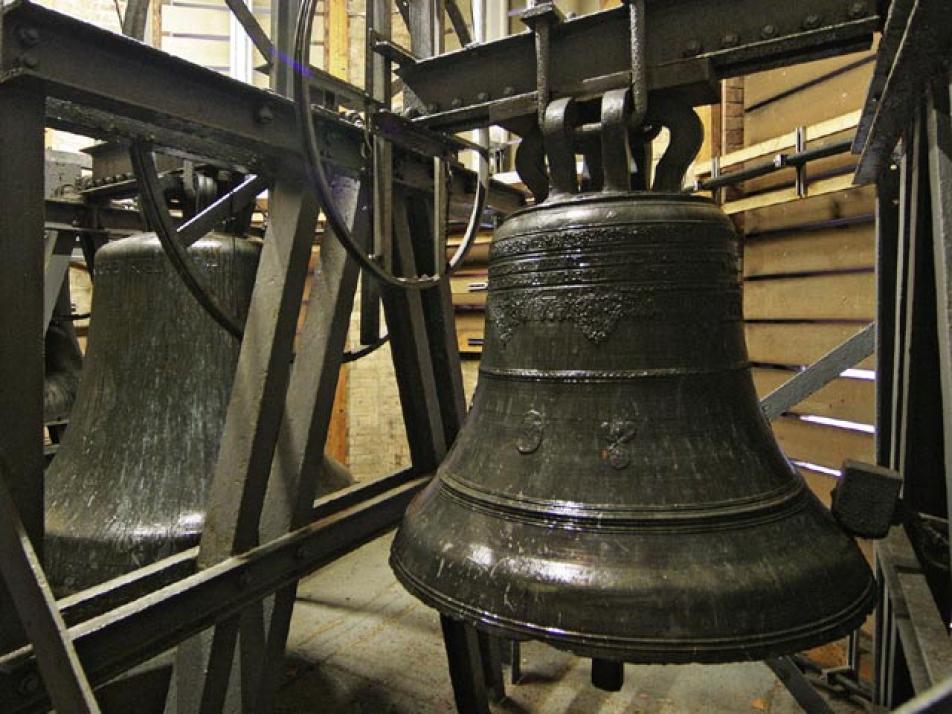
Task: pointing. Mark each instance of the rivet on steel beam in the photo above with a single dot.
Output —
(433, 108)
(508, 91)
(692, 48)
(768, 31)
(857, 10)
(811, 22)
(300, 553)
(29, 61)
(264, 114)
(28, 36)
(730, 39)
(30, 684)
(244, 580)
(456, 102)
(482, 97)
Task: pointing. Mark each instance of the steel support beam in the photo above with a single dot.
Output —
(254, 417)
(303, 436)
(820, 373)
(810, 700)
(496, 82)
(123, 88)
(138, 631)
(925, 44)
(939, 131)
(136, 18)
(22, 571)
(21, 316)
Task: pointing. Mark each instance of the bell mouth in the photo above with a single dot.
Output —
(658, 650)
(644, 597)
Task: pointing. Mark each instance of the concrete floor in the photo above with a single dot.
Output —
(360, 643)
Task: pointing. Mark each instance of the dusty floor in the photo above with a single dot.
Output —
(360, 643)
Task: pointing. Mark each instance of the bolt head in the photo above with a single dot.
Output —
(29, 36)
(30, 684)
(857, 10)
(264, 114)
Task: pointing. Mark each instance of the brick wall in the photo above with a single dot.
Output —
(377, 442)
(98, 12)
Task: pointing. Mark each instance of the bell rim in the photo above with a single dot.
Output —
(743, 648)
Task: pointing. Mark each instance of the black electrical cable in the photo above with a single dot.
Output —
(315, 169)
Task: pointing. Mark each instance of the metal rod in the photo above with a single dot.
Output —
(778, 163)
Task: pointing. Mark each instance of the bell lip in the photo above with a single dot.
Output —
(577, 199)
(645, 651)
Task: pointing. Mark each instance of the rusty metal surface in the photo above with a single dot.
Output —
(616, 490)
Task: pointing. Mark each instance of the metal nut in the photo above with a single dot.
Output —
(811, 22)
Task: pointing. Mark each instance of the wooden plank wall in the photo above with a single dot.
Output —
(808, 263)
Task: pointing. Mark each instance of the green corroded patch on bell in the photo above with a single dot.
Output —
(616, 490)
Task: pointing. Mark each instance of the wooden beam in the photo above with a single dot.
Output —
(338, 38)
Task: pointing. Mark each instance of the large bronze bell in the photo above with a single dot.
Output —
(616, 490)
(128, 485)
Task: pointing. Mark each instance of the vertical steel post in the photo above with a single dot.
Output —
(283, 23)
(939, 128)
(22, 118)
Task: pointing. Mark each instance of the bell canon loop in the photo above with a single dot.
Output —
(616, 490)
